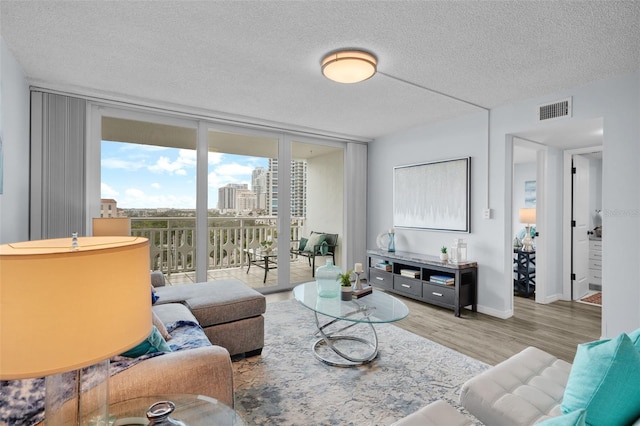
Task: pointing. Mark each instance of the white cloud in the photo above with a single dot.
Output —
(186, 159)
(107, 191)
(234, 169)
(215, 158)
(134, 193)
(156, 185)
(135, 198)
(117, 163)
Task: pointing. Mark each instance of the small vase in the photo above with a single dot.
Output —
(392, 242)
(347, 293)
(327, 280)
(444, 257)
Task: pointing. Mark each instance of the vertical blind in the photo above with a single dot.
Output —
(57, 166)
(356, 200)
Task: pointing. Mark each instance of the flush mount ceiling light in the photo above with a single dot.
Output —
(349, 66)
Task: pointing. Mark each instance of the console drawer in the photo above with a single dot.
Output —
(595, 277)
(381, 279)
(406, 285)
(438, 294)
(595, 264)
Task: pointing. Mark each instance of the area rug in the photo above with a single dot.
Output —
(287, 385)
(594, 299)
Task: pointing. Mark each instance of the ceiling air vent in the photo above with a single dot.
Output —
(555, 110)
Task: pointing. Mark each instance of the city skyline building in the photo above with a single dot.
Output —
(227, 196)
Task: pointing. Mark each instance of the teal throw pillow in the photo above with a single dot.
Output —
(604, 380)
(302, 244)
(574, 418)
(324, 248)
(635, 338)
(314, 240)
(154, 343)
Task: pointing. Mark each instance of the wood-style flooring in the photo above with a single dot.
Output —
(556, 328)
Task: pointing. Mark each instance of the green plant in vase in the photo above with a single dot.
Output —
(345, 279)
(266, 245)
(345, 282)
(443, 254)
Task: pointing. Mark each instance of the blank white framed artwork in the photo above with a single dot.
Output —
(434, 196)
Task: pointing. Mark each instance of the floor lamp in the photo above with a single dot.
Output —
(63, 309)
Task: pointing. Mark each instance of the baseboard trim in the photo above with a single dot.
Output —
(495, 313)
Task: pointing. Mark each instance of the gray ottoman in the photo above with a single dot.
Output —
(229, 311)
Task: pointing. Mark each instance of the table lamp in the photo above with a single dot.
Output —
(111, 226)
(527, 216)
(63, 309)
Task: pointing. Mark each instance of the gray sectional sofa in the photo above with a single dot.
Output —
(230, 312)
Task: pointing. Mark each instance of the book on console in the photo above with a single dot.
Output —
(411, 273)
(366, 289)
(383, 266)
(441, 278)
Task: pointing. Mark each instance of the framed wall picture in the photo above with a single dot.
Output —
(529, 193)
(433, 196)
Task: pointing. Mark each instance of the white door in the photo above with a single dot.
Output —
(580, 237)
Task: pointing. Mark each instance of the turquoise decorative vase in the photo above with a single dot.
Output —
(327, 280)
(392, 242)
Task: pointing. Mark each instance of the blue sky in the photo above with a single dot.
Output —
(143, 176)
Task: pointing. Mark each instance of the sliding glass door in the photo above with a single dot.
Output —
(148, 174)
(242, 220)
(217, 201)
(317, 204)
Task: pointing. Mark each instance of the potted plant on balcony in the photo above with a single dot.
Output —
(345, 283)
(443, 254)
(266, 246)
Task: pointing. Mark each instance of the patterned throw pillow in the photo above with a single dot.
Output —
(314, 240)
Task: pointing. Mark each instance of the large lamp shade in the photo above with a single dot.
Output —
(527, 215)
(64, 309)
(111, 226)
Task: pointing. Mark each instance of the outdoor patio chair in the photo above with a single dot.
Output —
(318, 244)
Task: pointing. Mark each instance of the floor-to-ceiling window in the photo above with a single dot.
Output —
(148, 174)
(317, 199)
(217, 200)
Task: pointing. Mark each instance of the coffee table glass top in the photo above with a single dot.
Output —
(193, 410)
(377, 307)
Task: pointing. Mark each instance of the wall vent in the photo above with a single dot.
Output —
(555, 110)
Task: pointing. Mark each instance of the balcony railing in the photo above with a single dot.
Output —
(172, 240)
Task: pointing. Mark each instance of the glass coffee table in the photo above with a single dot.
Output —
(337, 347)
(192, 410)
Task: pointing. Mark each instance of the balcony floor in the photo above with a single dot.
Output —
(300, 272)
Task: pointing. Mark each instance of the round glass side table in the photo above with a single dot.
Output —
(193, 410)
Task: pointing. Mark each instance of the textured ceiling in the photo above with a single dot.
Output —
(259, 61)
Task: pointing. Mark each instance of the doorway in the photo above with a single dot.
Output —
(583, 177)
(527, 215)
(553, 189)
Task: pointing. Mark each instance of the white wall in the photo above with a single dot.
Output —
(325, 196)
(14, 130)
(617, 102)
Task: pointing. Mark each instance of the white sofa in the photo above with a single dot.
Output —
(525, 389)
